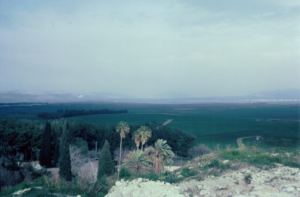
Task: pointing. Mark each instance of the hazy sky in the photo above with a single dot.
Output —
(141, 48)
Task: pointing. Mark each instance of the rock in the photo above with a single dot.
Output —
(37, 166)
(171, 168)
(204, 192)
(290, 189)
(220, 187)
(180, 176)
(118, 183)
(274, 155)
(264, 191)
(143, 187)
(225, 162)
(21, 192)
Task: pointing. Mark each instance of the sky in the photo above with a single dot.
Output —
(142, 48)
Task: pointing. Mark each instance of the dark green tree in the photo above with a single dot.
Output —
(64, 158)
(70, 133)
(56, 152)
(45, 153)
(106, 165)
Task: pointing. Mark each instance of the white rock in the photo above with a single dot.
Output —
(225, 161)
(289, 189)
(37, 166)
(204, 192)
(19, 193)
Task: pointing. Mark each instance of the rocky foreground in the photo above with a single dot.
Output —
(281, 181)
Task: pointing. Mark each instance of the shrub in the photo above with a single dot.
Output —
(248, 178)
(137, 161)
(82, 145)
(78, 160)
(31, 174)
(151, 176)
(9, 178)
(125, 173)
(172, 178)
(198, 150)
(186, 172)
(76, 186)
(21, 186)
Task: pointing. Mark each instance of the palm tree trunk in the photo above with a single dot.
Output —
(120, 158)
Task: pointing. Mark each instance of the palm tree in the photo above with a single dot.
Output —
(137, 161)
(136, 136)
(145, 134)
(123, 128)
(161, 153)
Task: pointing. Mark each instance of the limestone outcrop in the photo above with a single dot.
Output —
(143, 187)
(277, 182)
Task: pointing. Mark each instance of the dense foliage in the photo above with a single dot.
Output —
(45, 153)
(71, 113)
(106, 165)
(20, 140)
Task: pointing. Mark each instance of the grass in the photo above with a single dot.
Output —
(51, 185)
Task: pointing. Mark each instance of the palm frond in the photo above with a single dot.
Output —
(137, 161)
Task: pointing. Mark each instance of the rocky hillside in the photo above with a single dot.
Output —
(280, 181)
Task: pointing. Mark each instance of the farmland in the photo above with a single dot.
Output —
(212, 124)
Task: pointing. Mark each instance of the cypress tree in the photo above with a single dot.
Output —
(64, 159)
(56, 152)
(106, 165)
(45, 153)
(71, 137)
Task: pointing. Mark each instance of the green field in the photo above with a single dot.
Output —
(212, 124)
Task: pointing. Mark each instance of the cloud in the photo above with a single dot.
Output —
(142, 48)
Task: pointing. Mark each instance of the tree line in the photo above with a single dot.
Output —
(80, 112)
(21, 140)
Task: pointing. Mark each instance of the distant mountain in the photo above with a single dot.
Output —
(20, 96)
(278, 94)
(171, 95)
(287, 95)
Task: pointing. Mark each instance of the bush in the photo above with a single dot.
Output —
(186, 172)
(82, 145)
(76, 186)
(171, 177)
(31, 174)
(125, 173)
(21, 186)
(151, 176)
(9, 178)
(201, 149)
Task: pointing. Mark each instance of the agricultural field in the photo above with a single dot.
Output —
(213, 124)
